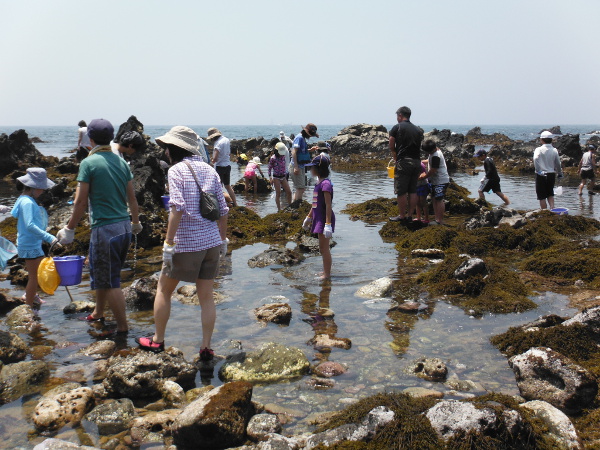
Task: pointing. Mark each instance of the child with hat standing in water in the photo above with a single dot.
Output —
(278, 174)
(491, 181)
(250, 173)
(32, 221)
(321, 219)
(586, 169)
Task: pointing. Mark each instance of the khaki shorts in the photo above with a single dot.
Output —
(300, 179)
(192, 266)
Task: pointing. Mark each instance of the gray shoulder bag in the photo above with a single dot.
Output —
(209, 205)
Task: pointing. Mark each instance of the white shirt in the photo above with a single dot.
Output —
(546, 159)
(441, 175)
(84, 140)
(223, 147)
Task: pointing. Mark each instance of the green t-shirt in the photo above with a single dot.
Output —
(108, 176)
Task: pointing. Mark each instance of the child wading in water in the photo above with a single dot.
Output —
(586, 169)
(278, 174)
(250, 173)
(32, 221)
(491, 181)
(321, 219)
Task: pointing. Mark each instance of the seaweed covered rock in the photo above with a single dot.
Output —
(270, 363)
(276, 255)
(470, 268)
(452, 418)
(280, 313)
(12, 348)
(216, 420)
(54, 412)
(543, 374)
(22, 378)
(589, 318)
(142, 373)
(141, 293)
(560, 427)
(432, 369)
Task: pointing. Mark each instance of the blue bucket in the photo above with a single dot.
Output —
(165, 200)
(560, 211)
(69, 269)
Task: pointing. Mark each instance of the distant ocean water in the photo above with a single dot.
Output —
(58, 140)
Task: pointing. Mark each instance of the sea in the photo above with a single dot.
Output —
(59, 140)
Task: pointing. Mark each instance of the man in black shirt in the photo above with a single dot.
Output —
(491, 181)
(405, 146)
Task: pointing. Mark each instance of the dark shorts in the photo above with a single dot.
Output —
(225, 174)
(192, 266)
(587, 174)
(423, 191)
(108, 250)
(544, 186)
(406, 176)
(490, 185)
(438, 191)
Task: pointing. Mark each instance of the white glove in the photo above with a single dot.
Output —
(224, 245)
(65, 236)
(136, 228)
(327, 231)
(4, 209)
(168, 253)
(307, 223)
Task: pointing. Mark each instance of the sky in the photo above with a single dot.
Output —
(265, 62)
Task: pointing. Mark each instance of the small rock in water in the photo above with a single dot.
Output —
(280, 313)
(323, 341)
(319, 383)
(432, 369)
(188, 290)
(381, 287)
(112, 417)
(12, 348)
(100, 349)
(409, 307)
(22, 319)
(59, 444)
(261, 425)
(329, 369)
(140, 294)
(309, 244)
(276, 255)
(52, 413)
(79, 307)
(8, 303)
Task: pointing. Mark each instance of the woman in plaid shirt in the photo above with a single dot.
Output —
(193, 245)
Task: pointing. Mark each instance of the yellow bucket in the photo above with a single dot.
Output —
(391, 169)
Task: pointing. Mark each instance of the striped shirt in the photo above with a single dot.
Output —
(195, 233)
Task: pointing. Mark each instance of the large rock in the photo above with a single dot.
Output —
(154, 426)
(216, 420)
(470, 268)
(140, 294)
(59, 444)
(382, 287)
(8, 302)
(568, 144)
(364, 139)
(543, 374)
(261, 425)
(53, 413)
(22, 319)
(589, 318)
(100, 349)
(16, 152)
(270, 363)
(364, 431)
(142, 373)
(432, 369)
(21, 378)
(262, 185)
(280, 313)
(276, 255)
(451, 417)
(112, 417)
(12, 348)
(560, 427)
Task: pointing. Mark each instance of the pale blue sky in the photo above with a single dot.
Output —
(278, 62)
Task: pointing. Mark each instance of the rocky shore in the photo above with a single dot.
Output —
(487, 260)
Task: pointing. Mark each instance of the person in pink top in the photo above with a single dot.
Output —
(193, 245)
(278, 174)
(250, 173)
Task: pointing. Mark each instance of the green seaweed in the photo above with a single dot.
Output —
(429, 237)
(569, 261)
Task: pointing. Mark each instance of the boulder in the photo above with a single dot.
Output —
(8, 303)
(112, 417)
(270, 363)
(99, 349)
(432, 369)
(276, 255)
(142, 373)
(381, 287)
(262, 185)
(79, 306)
(17, 153)
(22, 319)
(309, 244)
(216, 420)
(568, 145)
(364, 431)
(328, 369)
(154, 426)
(59, 444)
(554, 130)
(262, 425)
(470, 268)
(590, 318)
(451, 417)
(364, 139)
(21, 378)
(53, 413)
(12, 348)
(280, 313)
(543, 374)
(140, 294)
(560, 427)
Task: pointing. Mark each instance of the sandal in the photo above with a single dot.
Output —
(207, 354)
(147, 343)
(91, 319)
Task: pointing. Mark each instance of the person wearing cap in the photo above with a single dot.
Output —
(105, 183)
(586, 169)
(321, 219)
(547, 167)
(405, 147)
(278, 173)
(250, 174)
(299, 158)
(285, 140)
(32, 221)
(193, 244)
(491, 181)
(221, 159)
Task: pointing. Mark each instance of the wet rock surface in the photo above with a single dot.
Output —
(79, 306)
(589, 318)
(12, 348)
(433, 369)
(113, 416)
(560, 427)
(18, 153)
(329, 369)
(100, 349)
(22, 319)
(279, 313)
(54, 412)
(381, 287)
(261, 426)
(60, 444)
(21, 378)
(154, 426)
(140, 294)
(276, 256)
(470, 268)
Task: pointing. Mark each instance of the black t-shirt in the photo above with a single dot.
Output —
(435, 162)
(491, 173)
(408, 140)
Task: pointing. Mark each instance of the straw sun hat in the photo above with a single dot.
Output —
(182, 137)
(213, 133)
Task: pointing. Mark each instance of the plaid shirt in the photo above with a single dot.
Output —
(195, 233)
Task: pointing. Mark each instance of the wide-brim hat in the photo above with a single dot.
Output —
(311, 130)
(256, 160)
(281, 148)
(213, 133)
(183, 137)
(319, 160)
(36, 178)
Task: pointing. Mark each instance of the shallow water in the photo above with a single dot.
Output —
(383, 343)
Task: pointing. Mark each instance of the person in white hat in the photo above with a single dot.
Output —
(32, 221)
(278, 174)
(547, 166)
(285, 140)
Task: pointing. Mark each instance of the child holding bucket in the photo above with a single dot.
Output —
(321, 219)
(32, 221)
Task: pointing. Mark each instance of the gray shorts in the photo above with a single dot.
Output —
(108, 250)
(192, 266)
(406, 176)
(300, 179)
